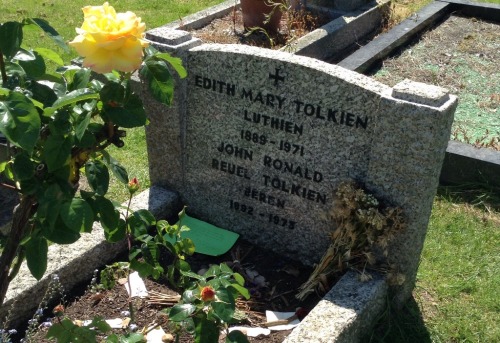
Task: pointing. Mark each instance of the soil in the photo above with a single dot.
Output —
(282, 278)
(460, 54)
(229, 30)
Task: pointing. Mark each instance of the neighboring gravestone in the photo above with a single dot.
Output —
(258, 141)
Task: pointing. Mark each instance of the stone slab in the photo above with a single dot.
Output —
(465, 164)
(482, 10)
(345, 314)
(376, 50)
(341, 33)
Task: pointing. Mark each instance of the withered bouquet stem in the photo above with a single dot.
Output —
(363, 228)
(156, 298)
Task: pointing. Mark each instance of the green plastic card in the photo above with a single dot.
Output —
(207, 238)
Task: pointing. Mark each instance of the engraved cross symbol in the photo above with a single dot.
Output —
(277, 78)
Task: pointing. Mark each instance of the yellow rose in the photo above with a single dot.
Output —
(110, 41)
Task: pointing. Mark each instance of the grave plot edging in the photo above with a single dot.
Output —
(463, 163)
(346, 313)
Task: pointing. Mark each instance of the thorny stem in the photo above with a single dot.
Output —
(129, 241)
(17, 265)
(2, 69)
(22, 214)
(6, 185)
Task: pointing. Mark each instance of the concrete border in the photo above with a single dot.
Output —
(345, 313)
(381, 47)
(346, 29)
(342, 33)
(464, 163)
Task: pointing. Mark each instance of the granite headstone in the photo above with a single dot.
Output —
(258, 141)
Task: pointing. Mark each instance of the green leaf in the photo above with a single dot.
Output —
(205, 331)
(187, 245)
(224, 268)
(115, 234)
(236, 336)
(100, 324)
(19, 121)
(178, 313)
(80, 79)
(193, 275)
(44, 25)
(57, 151)
(24, 55)
(71, 99)
(98, 176)
(144, 269)
(62, 332)
(118, 170)
(224, 308)
(77, 213)
(49, 204)
(132, 114)
(145, 216)
(132, 337)
(159, 80)
(23, 167)
(214, 270)
(112, 94)
(175, 62)
(108, 215)
(189, 296)
(61, 234)
(50, 55)
(34, 68)
(29, 186)
(112, 339)
(7, 171)
(81, 124)
(242, 290)
(239, 279)
(11, 37)
(36, 256)
(42, 93)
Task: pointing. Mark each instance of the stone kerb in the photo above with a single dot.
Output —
(266, 137)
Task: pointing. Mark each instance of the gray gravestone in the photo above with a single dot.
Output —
(258, 141)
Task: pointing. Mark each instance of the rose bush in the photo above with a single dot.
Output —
(59, 123)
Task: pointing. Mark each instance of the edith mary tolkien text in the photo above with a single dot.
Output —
(256, 130)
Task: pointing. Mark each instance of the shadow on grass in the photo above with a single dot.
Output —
(400, 326)
(479, 195)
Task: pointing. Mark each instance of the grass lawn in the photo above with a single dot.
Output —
(455, 299)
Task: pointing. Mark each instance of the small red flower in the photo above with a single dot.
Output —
(207, 293)
(58, 310)
(133, 185)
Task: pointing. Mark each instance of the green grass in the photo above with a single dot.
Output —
(458, 281)
(460, 270)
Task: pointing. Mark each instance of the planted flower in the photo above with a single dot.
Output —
(110, 41)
